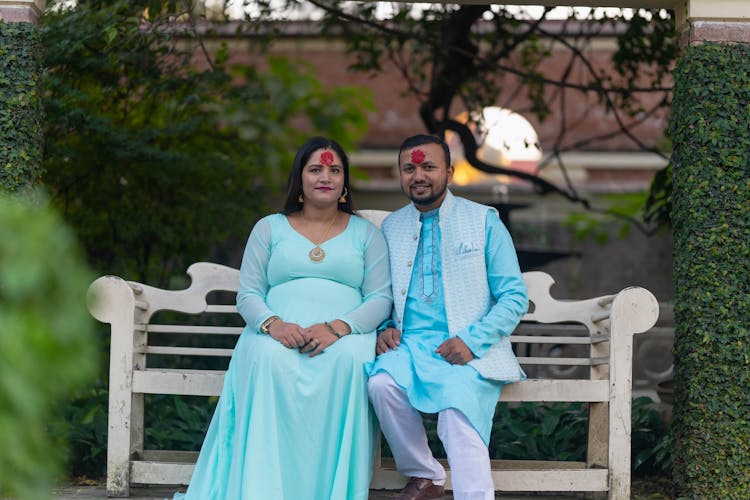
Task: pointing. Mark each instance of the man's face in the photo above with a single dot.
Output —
(424, 175)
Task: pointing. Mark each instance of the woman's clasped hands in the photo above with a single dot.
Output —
(313, 339)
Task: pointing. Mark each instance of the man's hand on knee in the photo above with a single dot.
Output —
(455, 351)
(388, 340)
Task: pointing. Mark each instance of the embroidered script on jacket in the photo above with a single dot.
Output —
(467, 247)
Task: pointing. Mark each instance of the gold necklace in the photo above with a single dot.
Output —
(317, 254)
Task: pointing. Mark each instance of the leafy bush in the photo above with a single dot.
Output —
(46, 346)
(533, 431)
(650, 439)
(177, 422)
(85, 424)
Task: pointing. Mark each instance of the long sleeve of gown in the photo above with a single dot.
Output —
(507, 287)
(251, 295)
(377, 297)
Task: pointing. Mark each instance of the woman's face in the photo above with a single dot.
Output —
(323, 178)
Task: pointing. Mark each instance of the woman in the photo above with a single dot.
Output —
(293, 421)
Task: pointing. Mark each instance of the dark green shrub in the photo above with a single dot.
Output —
(650, 440)
(177, 422)
(86, 428)
(531, 431)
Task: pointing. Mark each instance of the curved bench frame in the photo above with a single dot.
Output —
(606, 326)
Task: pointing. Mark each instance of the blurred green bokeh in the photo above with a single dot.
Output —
(47, 343)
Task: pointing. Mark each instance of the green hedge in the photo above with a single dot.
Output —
(20, 106)
(711, 205)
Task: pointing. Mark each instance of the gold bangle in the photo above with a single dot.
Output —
(330, 329)
(267, 323)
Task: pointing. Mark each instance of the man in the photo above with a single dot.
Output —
(458, 295)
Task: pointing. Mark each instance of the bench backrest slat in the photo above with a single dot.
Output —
(185, 351)
(195, 329)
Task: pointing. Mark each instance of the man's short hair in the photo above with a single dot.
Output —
(420, 139)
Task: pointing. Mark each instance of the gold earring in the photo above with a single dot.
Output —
(300, 199)
(342, 198)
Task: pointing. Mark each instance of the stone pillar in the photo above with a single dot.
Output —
(21, 11)
(710, 131)
(20, 94)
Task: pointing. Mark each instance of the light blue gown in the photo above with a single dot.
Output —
(431, 383)
(288, 426)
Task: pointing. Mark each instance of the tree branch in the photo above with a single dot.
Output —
(541, 186)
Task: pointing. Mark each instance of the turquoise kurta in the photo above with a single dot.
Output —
(431, 383)
(288, 426)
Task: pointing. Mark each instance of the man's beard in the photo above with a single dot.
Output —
(429, 199)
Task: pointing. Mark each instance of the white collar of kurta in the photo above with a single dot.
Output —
(443, 212)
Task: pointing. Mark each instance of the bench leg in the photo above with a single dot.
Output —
(118, 452)
(120, 431)
(598, 438)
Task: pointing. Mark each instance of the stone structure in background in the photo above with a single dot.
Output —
(21, 11)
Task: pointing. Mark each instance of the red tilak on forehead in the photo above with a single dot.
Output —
(326, 158)
(417, 156)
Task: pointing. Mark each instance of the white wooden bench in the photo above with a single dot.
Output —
(604, 326)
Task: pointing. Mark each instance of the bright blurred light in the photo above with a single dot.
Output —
(385, 10)
(504, 139)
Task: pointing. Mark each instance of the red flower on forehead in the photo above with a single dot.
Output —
(417, 156)
(326, 158)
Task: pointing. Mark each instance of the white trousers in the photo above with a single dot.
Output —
(402, 427)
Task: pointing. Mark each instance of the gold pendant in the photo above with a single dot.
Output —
(317, 254)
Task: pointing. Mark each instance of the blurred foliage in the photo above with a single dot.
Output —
(159, 153)
(710, 130)
(46, 347)
(20, 106)
(622, 212)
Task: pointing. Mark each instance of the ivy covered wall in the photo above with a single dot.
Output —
(710, 130)
(20, 106)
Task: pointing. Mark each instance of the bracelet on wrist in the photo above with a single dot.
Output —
(331, 329)
(267, 323)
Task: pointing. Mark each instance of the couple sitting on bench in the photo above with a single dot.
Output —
(317, 282)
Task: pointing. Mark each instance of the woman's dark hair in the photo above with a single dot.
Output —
(421, 139)
(294, 186)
